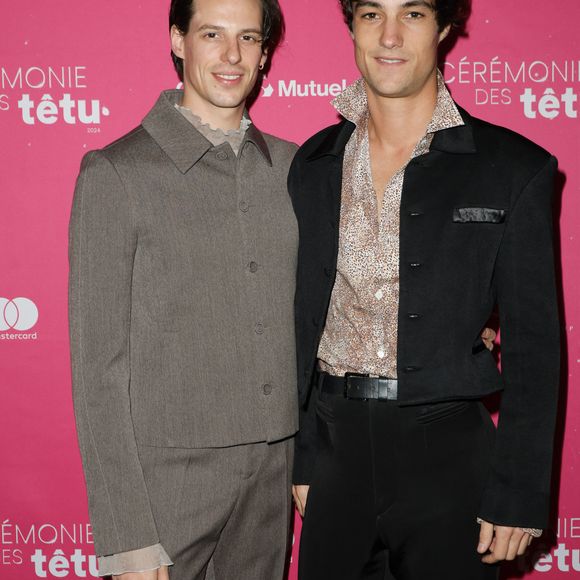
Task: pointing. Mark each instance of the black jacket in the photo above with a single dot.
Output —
(475, 233)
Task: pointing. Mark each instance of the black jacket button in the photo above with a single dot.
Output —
(411, 369)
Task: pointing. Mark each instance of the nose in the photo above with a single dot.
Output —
(391, 36)
(232, 53)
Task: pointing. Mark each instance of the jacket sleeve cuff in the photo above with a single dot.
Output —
(521, 508)
(534, 532)
(141, 560)
(306, 443)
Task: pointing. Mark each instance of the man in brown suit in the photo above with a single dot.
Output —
(183, 249)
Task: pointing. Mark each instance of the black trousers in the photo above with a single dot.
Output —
(396, 491)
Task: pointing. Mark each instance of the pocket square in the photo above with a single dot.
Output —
(487, 215)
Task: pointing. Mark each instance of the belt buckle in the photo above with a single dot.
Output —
(391, 388)
(351, 387)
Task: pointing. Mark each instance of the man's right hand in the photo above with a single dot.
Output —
(300, 494)
(159, 574)
(488, 336)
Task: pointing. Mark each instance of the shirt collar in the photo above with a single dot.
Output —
(206, 128)
(353, 105)
(180, 140)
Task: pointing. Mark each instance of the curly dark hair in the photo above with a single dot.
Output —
(181, 13)
(454, 13)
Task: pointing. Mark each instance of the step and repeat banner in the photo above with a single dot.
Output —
(74, 76)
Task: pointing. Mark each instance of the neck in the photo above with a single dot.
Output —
(224, 118)
(400, 121)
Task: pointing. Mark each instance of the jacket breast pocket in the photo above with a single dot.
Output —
(479, 215)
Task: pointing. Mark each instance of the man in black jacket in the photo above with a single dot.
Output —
(416, 222)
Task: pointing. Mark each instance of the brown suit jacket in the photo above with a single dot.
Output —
(182, 276)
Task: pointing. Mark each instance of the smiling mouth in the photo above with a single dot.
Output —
(391, 60)
(228, 77)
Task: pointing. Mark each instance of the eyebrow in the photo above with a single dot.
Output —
(216, 27)
(408, 4)
(254, 30)
(210, 27)
(424, 3)
(366, 4)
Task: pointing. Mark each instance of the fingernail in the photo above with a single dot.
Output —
(481, 548)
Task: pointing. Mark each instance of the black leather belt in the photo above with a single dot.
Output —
(355, 386)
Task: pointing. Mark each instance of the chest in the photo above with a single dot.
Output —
(224, 213)
(419, 216)
(383, 165)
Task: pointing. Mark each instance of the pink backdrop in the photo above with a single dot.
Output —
(76, 75)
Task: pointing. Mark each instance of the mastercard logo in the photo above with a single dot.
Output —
(17, 314)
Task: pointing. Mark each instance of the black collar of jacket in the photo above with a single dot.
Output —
(455, 140)
(180, 140)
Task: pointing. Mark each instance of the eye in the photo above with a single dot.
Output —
(210, 35)
(369, 15)
(415, 15)
(251, 38)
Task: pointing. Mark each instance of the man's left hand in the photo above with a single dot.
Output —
(503, 542)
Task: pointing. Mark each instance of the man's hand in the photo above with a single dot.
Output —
(300, 494)
(503, 542)
(488, 336)
(159, 574)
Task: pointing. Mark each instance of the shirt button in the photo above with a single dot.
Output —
(267, 389)
(222, 155)
(259, 328)
(379, 295)
(381, 354)
(253, 267)
(244, 205)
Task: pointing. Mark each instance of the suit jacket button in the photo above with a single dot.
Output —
(411, 369)
(267, 389)
(328, 271)
(315, 321)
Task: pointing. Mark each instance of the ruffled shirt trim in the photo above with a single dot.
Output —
(141, 560)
